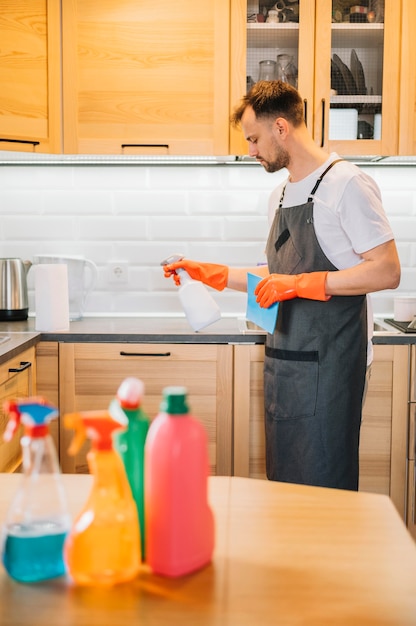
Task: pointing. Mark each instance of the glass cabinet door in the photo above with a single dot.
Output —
(276, 41)
(280, 44)
(272, 44)
(343, 55)
(363, 71)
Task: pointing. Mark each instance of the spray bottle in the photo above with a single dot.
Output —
(38, 519)
(103, 546)
(130, 443)
(199, 306)
(179, 521)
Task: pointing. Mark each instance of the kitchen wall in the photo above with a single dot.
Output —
(140, 213)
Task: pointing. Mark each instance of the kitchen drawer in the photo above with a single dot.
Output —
(90, 374)
(17, 380)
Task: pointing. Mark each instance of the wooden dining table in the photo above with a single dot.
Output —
(284, 555)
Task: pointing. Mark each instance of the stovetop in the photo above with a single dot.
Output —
(403, 326)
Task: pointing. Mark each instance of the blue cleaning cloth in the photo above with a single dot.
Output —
(265, 318)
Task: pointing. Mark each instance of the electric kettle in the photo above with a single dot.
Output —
(14, 305)
(82, 276)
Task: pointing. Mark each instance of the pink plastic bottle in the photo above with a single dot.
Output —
(179, 521)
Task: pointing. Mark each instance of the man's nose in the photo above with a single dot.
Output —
(252, 150)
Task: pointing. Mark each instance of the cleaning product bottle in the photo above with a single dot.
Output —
(130, 443)
(103, 545)
(179, 521)
(38, 519)
(199, 306)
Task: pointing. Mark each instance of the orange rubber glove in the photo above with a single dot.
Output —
(211, 274)
(280, 287)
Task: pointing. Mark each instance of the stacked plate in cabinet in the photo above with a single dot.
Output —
(346, 81)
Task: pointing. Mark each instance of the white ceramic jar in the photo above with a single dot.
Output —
(404, 308)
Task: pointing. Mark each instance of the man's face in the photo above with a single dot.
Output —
(264, 141)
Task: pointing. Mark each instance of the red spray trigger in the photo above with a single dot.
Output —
(10, 407)
(98, 426)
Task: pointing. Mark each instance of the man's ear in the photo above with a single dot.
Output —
(281, 125)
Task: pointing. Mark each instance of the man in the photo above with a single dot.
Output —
(329, 245)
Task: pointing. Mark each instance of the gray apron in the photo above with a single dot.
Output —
(315, 363)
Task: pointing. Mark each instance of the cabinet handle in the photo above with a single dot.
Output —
(23, 366)
(413, 496)
(122, 353)
(33, 143)
(145, 145)
(305, 111)
(323, 123)
(412, 409)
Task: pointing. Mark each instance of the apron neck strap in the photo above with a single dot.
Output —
(318, 182)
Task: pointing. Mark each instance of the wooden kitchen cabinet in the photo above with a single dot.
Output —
(313, 42)
(407, 111)
(47, 381)
(411, 444)
(90, 374)
(147, 78)
(30, 76)
(17, 380)
(383, 431)
(384, 425)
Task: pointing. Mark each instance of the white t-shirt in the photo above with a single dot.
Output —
(348, 215)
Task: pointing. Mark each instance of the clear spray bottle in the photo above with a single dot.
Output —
(38, 519)
(199, 306)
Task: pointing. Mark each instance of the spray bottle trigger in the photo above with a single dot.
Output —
(73, 421)
(11, 408)
(172, 258)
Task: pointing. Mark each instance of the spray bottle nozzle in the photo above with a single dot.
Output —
(130, 393)
(98, 426)
(172, 258)
(34, 412)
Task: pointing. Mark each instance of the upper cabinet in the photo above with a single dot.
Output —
(407, 110)
(344, 58)
(30, 76)
(147, 78)
(160, 78)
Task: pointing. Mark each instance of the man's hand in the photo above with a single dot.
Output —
(211, 274)
(280, 287)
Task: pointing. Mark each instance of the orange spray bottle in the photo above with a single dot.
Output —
(103, 546)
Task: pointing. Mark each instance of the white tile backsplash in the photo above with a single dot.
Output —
(141, 213)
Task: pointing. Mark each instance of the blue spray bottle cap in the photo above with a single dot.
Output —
(34, 413)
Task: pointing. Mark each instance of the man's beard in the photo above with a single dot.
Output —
(279, 163)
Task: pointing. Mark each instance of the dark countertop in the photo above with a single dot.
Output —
(22, 335)
(14, 342)
(138, 330)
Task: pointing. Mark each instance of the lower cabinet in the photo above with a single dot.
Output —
(225, 391)
(17, 380)
(383, 431)
(411, 455)
(91, 373)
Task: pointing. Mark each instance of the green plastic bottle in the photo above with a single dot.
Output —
(130, 443)
(103, 545)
